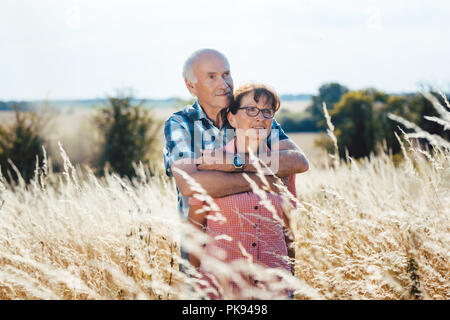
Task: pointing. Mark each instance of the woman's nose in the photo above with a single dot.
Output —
(260, 116)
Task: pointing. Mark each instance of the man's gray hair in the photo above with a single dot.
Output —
(188, 70)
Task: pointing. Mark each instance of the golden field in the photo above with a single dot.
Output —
(364, 229)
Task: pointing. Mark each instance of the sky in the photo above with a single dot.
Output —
(83, 49)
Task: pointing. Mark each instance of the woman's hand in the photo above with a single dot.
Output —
(289, 239)
(285, 181)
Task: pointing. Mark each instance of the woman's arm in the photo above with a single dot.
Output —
(198, 220)
(289, 238)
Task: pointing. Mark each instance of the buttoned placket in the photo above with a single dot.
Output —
(257, 226)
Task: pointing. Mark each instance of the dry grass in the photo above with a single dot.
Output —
(75, 129)
(363, 230)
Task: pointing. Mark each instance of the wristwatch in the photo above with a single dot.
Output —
(238, 162)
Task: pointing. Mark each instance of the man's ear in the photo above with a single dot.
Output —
(190, 86)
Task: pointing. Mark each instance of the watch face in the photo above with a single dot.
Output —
(238, 162)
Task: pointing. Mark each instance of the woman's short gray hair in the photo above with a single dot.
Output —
(188, 70)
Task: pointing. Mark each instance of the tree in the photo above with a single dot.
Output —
(398, 105)
(354, 126)
(129, 134)
(21, 143)
(424, 107)
(330, 93)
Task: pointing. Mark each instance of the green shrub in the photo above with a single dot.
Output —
(296, 121)
(330, 93)
(129, 134)
(20, 143)
(355, 128)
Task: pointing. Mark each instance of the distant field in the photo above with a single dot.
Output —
(295, 106)
(305, 140)
(73, 128)
(6, 117)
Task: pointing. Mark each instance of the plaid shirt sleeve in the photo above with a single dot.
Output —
(177, 142)
(276, 133)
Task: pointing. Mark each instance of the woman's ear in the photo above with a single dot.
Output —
(231, 119)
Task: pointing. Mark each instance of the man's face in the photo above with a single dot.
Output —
(214, 87)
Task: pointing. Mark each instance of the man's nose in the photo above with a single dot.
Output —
(225, 84)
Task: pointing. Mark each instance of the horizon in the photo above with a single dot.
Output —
(150, 99)
(82, 50)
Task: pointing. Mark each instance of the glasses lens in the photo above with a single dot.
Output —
(252, 111)
(267, 113)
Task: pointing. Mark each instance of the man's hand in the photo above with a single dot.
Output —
(218, 184)
(213, 160)
(291, 159)
(223, 161)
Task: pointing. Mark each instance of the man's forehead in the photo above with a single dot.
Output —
(211, 62)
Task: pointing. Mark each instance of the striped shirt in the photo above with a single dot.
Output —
(248, 225)
(189, 131)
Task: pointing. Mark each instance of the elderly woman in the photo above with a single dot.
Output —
(250, 229)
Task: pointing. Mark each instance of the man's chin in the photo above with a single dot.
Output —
(223, 101)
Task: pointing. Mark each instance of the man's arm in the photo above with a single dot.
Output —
(286, 158)
(220, 184)
(291, 159)
(178, 154)
(216, 183)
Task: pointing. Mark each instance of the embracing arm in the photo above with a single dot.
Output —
(286, 158)
(291, 159)
(216, 183)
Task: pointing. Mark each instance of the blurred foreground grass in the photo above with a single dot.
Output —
(363, 230)
(368, 229)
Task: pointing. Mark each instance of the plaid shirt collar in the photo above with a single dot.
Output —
(196, 112)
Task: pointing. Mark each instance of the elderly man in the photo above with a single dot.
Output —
(200, 126)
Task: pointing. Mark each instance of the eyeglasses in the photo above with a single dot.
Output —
(254, 111)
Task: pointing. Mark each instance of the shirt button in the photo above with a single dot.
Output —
(256, 207)
(253, 244)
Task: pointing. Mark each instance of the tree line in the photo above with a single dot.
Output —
(361, 118)
(127, 134)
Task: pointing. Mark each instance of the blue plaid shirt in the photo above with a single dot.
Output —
(189, 131)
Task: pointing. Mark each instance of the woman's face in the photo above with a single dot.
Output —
(252, 127)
